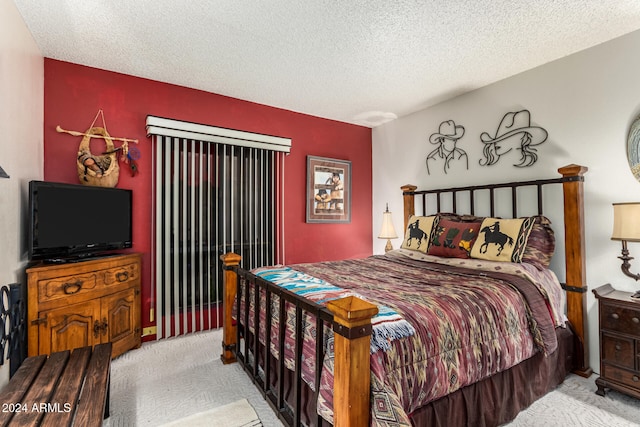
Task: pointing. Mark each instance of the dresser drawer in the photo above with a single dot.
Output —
(630, 378)
(121, 274)
(620, 319)
(63, 287)
(618, 350)
(52, 289)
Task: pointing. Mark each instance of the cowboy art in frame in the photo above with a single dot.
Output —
(328, 190)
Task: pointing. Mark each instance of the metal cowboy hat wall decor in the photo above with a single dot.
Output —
(513, 125)
(446, 139)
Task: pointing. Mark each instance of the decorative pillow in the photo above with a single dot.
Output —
(502, 239)
(451, 216)
(452, 239)
(460, 217)
(416, 236)
(541, 244)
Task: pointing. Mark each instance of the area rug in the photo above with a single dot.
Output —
(236, 414)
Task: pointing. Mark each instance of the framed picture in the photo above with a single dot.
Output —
(328, 190)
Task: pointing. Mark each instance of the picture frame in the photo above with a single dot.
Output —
(328, 190)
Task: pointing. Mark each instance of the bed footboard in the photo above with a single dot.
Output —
(352, 379)
(350, 319)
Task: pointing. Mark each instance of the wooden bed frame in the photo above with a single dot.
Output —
(351, 317)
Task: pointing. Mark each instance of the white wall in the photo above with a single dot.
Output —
(586, 102)
(21, 146)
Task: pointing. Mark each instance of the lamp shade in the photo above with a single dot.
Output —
(626, 222)
(387, 231)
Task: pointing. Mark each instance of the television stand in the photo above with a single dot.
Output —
(84, 303)
(78, 258)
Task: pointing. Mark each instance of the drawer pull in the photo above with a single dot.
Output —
(122, 276)
(72, 288)
(635, 378)
(618, 347)
(615, 316)
(105, 325)
(635, 320)
(100, 327)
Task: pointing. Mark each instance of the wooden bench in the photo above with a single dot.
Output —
(62, 389)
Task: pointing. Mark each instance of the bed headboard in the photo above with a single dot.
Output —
(572, 180)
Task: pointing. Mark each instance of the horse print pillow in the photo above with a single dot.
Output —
(453, 239)
(502, 239)
(418, 231)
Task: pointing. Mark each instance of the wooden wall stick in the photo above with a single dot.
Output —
(76, 133)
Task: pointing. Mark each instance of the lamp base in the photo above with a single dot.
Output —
(636, 295)
(626, 265)
(388, 247)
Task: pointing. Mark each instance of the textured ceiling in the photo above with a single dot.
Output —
(356, 61)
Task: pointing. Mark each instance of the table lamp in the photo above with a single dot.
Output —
(626, 228)
(387, 232)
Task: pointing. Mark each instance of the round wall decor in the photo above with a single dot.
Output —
(633, 148)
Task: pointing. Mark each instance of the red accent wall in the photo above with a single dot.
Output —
(73, 94)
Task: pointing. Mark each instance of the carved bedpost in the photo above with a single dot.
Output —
(352, 377)
(230, 286)
(576, 286)
(409, 202)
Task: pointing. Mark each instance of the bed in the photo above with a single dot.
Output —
(460, 326)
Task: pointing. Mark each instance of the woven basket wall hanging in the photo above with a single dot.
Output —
(100, 170)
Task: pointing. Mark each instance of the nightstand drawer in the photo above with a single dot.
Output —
(619, 319)
(618, 350)
(630, 378)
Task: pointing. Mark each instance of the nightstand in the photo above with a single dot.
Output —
(619, 327)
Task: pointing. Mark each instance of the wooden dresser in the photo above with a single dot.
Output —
(619, 341)
(84, 303)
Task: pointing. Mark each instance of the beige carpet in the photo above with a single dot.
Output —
(236, 414)
(169, 380)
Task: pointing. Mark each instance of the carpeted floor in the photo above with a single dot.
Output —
(575, 403)
(166, 380)
(171, 379)
(236, 414)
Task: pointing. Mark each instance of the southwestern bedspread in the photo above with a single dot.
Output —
(468, 319)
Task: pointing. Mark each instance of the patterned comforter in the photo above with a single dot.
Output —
(472, 319)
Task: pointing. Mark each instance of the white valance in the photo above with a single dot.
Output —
(200, 132)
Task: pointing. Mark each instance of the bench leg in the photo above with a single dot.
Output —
(106, 406)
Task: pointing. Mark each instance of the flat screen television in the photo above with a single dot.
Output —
(69, 221)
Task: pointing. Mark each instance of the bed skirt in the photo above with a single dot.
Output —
(499, 398)
(490, 402)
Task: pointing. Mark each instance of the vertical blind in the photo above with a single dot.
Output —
(215, 191)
